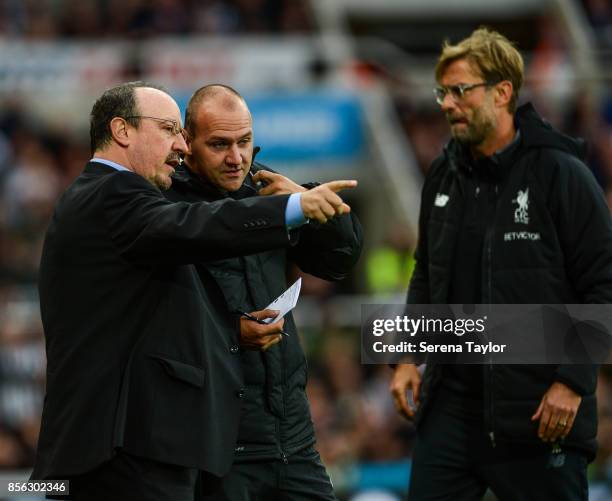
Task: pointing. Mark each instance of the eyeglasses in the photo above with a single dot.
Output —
(172, 125)
(457, 92)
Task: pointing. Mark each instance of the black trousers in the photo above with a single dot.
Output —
(131, 478)
(302, 478)
(455, 460)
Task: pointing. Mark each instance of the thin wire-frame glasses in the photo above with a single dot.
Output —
(176, 128)
(457, 92)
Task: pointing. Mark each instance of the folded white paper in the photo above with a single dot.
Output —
(285, 302)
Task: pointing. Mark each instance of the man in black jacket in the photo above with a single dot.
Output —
(274, 455)
(142, 386)
(509, 214)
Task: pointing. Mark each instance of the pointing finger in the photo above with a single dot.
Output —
(341, 185)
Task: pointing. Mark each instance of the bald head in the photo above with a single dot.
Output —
(156, 102)
(217, 97)
(220, 137)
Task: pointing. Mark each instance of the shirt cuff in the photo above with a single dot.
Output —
(294, 217)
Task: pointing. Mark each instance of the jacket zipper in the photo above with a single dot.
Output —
(283, 386)
(277, 420)
(488, 298)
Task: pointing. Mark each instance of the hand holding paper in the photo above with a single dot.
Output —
(285, 302)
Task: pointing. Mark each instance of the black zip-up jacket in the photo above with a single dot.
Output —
(568, 262)
(275, 418)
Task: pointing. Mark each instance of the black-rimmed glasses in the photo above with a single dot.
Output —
(457, 92)
(173, 125)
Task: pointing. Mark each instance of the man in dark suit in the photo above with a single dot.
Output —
(275, 456)
(142, 389)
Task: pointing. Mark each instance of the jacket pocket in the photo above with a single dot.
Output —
(187, 373)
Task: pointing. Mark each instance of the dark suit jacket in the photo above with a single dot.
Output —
(135, 355)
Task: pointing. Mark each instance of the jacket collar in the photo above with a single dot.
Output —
(539, 133)
(184, 175)
(98, 168)
(534, 132)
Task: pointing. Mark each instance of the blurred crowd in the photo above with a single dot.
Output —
(30, 182)
(362, 440)
(137, 19)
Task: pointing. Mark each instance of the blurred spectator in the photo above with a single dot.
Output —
(550, 73)
(31, 186)
(216, 17)
(599, 13)
(77, 19)
(587, 119)
(390, 265)
(22, 367)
